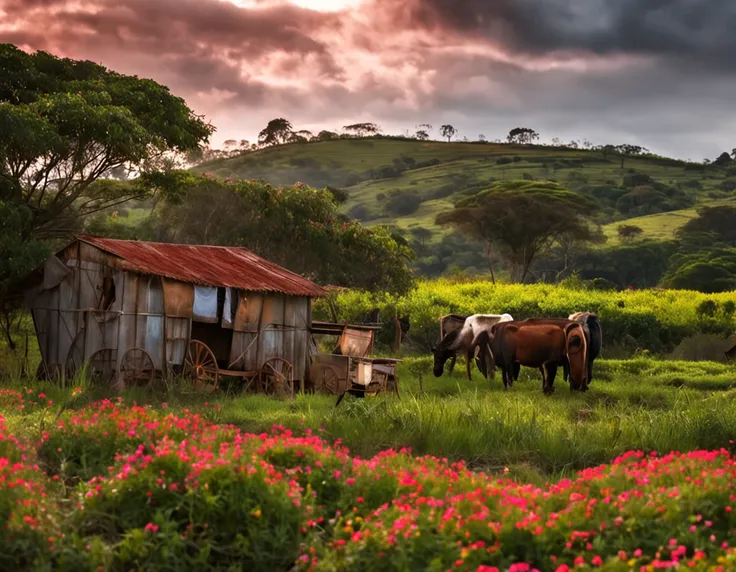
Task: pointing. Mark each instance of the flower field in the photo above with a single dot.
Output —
(103, 485)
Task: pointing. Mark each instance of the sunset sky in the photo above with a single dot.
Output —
(659, 73)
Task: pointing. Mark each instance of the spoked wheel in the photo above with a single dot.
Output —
(328, 379)
(201, 365)
(276, 377)
(137, 368)
(102, 365)
(48, 372)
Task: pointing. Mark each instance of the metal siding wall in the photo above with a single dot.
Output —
(177, 335)
(301, 338)
(272, 338)
(246, 327)
(67, 318)
(150, 335)
(128, 321)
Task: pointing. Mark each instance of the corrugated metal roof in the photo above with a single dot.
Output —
(235, 267)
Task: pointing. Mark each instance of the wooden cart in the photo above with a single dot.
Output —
(351, 365)
(275, 376)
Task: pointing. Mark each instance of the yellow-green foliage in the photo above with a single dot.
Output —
(653, 319)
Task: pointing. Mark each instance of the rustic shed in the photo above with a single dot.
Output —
(100, 299)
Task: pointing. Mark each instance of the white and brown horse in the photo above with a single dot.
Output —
(460, 341)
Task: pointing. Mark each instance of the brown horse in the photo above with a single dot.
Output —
(539, 345)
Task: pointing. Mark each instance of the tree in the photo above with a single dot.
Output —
(720, 222)
(522, 135)
(362, 129)
(297, 227)
(66, 124)
(629, 231)
(627, 150)
(276, 132)
(327, 136)
(608, 150)
(448, 131)
(302, 136)
(482, 138)
(523, 219)
(424, 128)
(723, 160)
(422, 135)
(705, 259)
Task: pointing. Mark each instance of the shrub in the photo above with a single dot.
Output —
(403, 203)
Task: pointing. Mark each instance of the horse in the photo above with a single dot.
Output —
(460, 340)
(594, 336)
(539, 345)
(450, 323)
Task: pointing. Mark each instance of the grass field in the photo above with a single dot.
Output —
(249, 481)
(461, 167)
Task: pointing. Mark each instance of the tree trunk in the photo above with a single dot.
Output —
(490, 264)
(7, 325)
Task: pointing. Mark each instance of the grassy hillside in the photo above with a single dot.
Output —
(406, 183)
(661, 226)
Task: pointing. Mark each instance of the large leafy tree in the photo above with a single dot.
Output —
(67, 123)
(276, 132)
(64, 125)
(523, 219)
(298, 227)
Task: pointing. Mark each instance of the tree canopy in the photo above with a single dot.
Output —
(65, 124)
(523, 219)
(298, 227)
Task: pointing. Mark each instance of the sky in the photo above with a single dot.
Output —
(656, 73)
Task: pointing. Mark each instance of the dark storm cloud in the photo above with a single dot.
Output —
(698, 30)
(193, 46)
(567, 68)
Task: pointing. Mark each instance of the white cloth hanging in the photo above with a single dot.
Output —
(205, 304)
(227, 308)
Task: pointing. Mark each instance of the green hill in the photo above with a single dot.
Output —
(406, 182)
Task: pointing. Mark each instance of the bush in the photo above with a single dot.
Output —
(403, 203)
(655, 319)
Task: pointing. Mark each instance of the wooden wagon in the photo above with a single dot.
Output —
(134, 312)
(351, 365)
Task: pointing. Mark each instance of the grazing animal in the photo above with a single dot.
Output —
(539, 345)
(461, 340)
(593, 334)
(450, 323)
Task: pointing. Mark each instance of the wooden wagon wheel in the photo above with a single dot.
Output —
(276, 376)
(201, 365)
(329, 379)
(137, 368)
(48, 372)
(102, 365)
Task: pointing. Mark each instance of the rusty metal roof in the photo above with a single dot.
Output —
(231, 266)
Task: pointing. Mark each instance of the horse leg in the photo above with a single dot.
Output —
(551, 373)
(505, 375)
(452, 364)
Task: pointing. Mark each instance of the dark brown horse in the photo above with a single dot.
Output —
(539, 345)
